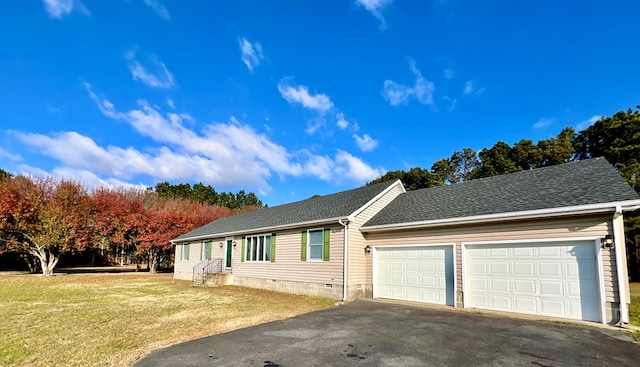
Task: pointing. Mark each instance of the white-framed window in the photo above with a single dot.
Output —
(186, 248)
(314, 244)
(207, 250)
(259, 248)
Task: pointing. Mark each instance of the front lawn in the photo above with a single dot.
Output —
(634, 308)
(115, 319)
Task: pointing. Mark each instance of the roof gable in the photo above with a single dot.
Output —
(590, 181)
(313, 210)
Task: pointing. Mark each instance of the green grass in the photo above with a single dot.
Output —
(113, 320)
(634, 308)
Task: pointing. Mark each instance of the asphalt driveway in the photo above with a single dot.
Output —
(370, 333)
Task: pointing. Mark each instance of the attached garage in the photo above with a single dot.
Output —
(418, 273)
(558, 279)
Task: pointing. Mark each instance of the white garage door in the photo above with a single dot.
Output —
(551, 279)
(423, 274)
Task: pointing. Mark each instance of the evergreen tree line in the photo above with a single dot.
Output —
(202, 194)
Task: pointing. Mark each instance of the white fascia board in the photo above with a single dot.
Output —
(264, 229)
(527, 214)
(376, 198)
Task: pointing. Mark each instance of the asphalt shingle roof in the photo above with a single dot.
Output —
(585, 182)
(318, 208)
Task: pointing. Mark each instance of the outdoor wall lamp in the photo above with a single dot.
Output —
(367, 249)
(234, 244)
(607, 241)
(221, 244)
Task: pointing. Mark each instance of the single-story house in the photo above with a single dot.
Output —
(548, 241)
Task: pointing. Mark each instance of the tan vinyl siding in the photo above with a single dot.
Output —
(522, 230)
(610, 276)
(358, 263)
(183, 269)
(288, 265)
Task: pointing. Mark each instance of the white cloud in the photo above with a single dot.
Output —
(365, 142)
(448, 73)
(398, 94)
(223, 154)
(375, 7)
(319, 166)
(300, 94)
(60, 8)
(542, 122)
(10, 156)
(468, 87)
(88, 179)
(251, 53)
(344, 167)
(451, 103)
(314, 124)
(471, 88)
(160, 77)
(355, 169)
(159, 8)
(586, 123)
(171, 104)
(341, 121)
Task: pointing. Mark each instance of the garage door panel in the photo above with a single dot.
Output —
(551, 288)
(500, 302)
(549, 251)
(430, 297)
(423, 274)
(477, 269)
(523, 269)
(480, 300)
(525, 303)
(501, 285)
(500, 268)
(431, 281)
(524, 286)
(553, 279)
(497, 253)
(412, 280)
(552, 307)
(479, 284)
(521, 252)
(550, 268)
(427, 267)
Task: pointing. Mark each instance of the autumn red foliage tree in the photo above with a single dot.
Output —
(118, 218)
(169, 218)
(44, 218)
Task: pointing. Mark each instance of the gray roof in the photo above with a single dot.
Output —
(590, 181)
(314, 209)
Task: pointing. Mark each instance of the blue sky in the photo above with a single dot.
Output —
(294, 98)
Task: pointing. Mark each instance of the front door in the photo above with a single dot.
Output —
(229, 254)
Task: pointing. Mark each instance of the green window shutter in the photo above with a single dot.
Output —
(327, 240)
(273, 247)
(303, 249)
(242, 249)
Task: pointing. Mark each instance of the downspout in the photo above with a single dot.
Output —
(621, 268)
(345, 255)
